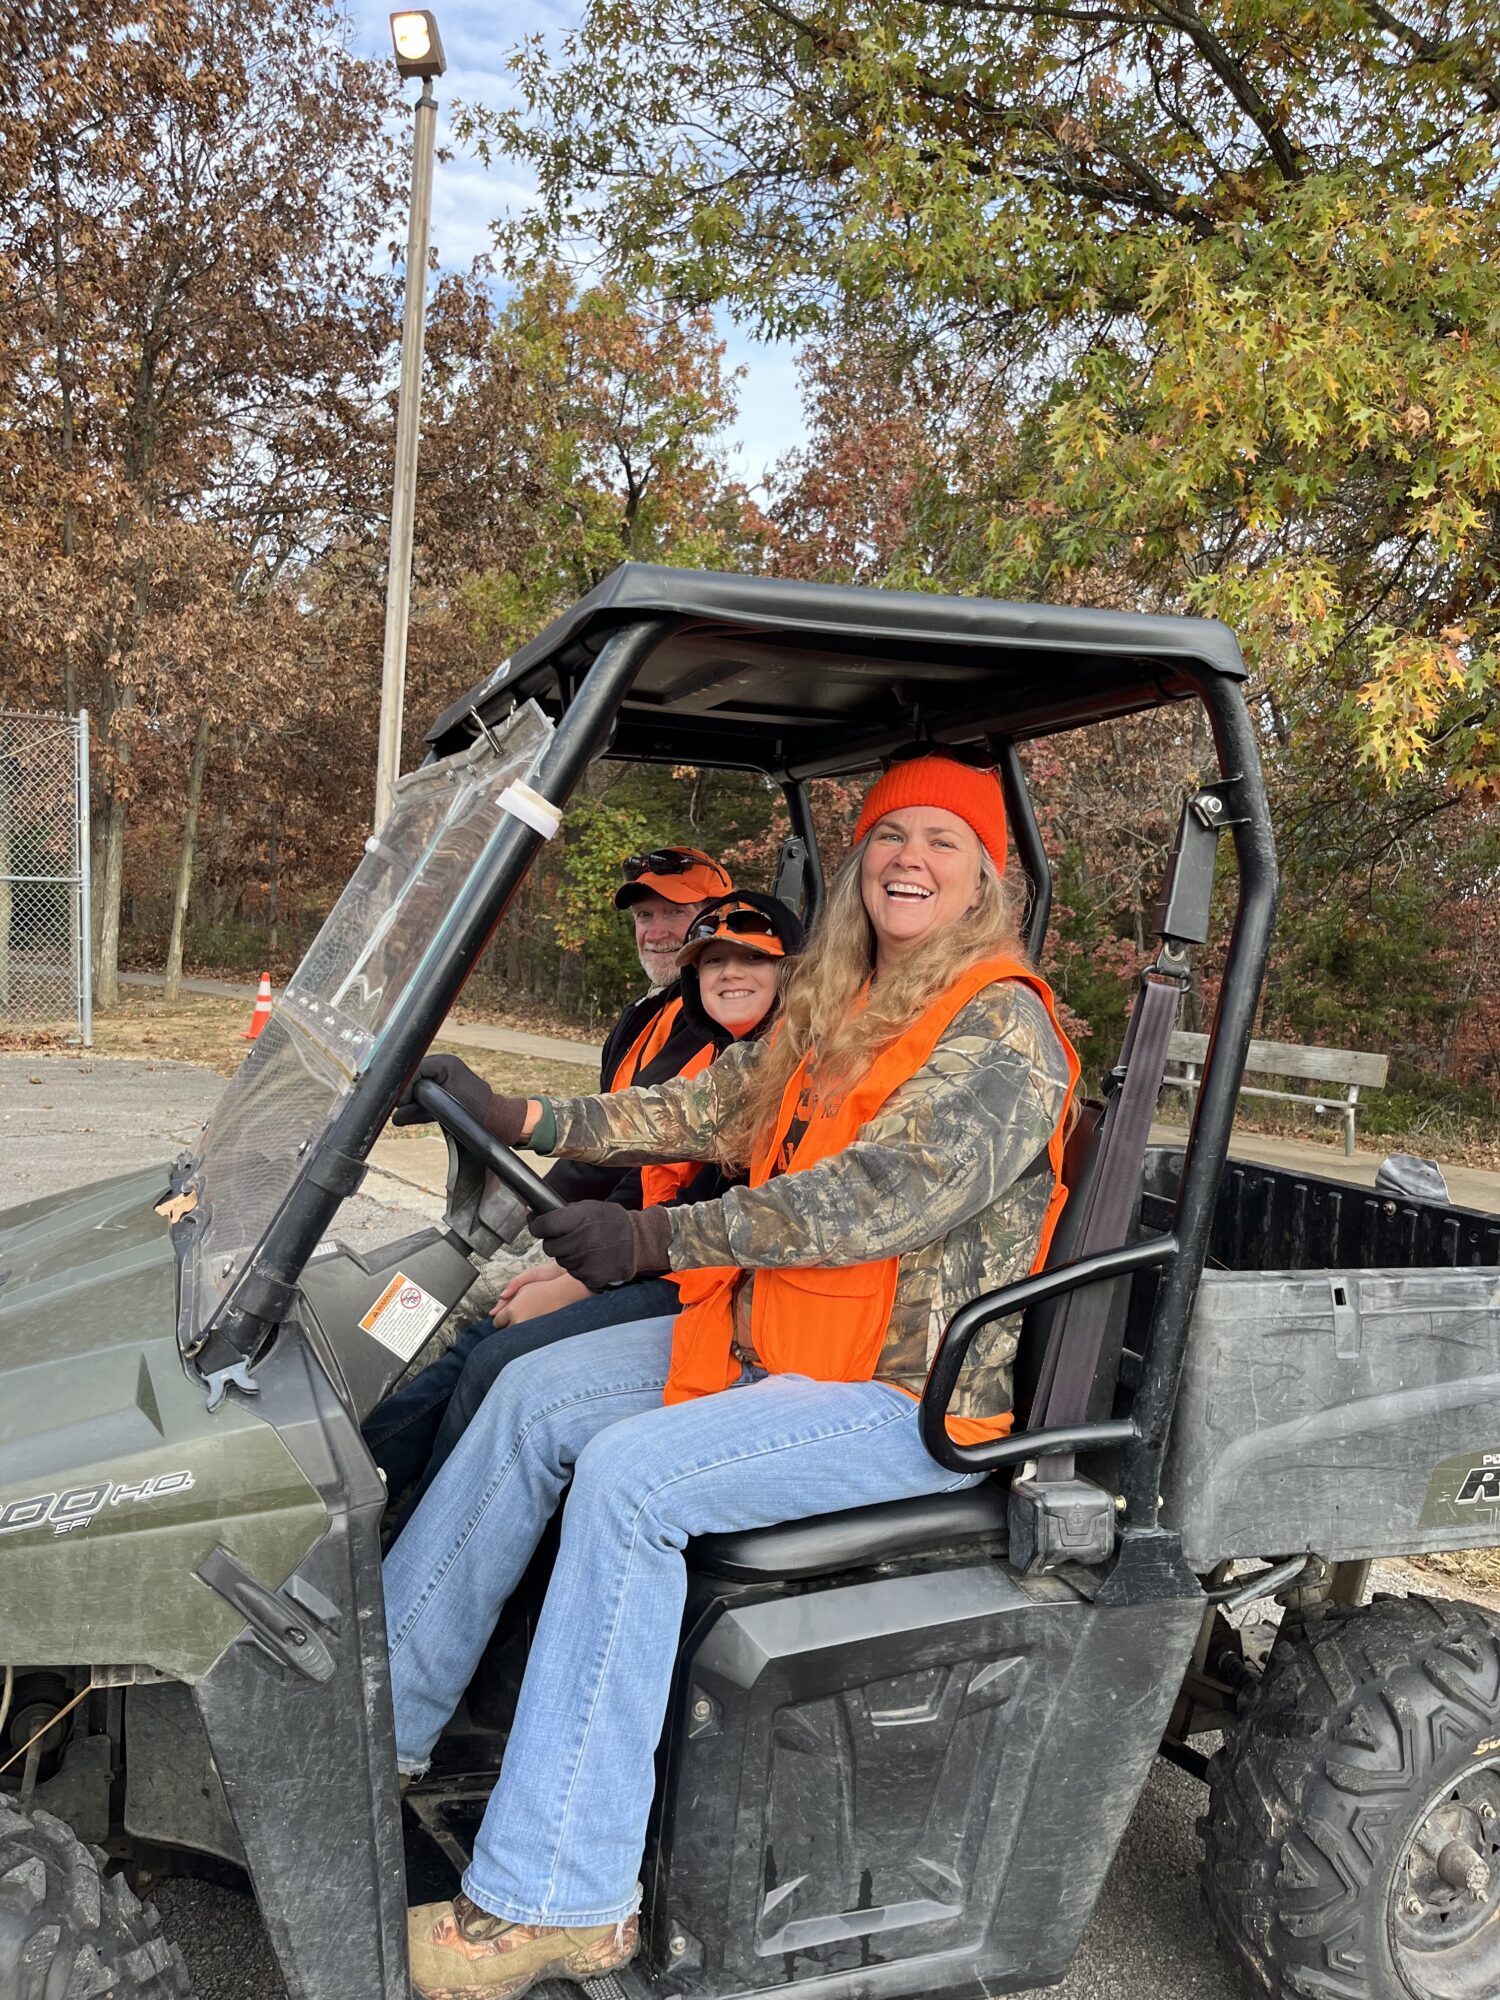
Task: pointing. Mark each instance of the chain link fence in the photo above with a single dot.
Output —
(45, 973)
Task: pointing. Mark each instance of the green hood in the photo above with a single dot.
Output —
(63, 1256)
(115, 1479)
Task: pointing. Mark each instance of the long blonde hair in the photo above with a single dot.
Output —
(820, 1007)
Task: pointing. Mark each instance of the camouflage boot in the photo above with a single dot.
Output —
(459, 1951)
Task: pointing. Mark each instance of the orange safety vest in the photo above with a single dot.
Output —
(828, 1322)
(648, 1044)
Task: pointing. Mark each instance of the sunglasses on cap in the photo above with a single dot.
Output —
(665, 861)
(742, 922)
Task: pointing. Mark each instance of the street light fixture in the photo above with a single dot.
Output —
(419, 52)
(419, 46)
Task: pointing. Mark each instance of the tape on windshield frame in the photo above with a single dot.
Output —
(530, 807)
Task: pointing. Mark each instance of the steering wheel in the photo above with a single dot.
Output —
(502, 1162)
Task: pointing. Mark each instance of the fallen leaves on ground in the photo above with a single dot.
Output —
(37, 1041)
(532, 1017)
(192, 1029)
(201, 1029)
(1475, 1568)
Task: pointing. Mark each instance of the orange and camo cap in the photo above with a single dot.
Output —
(758, 924)
(676, 874)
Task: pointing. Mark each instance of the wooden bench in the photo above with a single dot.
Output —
(1355, 1069)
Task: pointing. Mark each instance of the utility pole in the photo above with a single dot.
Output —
(419, 52)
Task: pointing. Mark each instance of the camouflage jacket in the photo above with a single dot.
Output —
(951, 1178)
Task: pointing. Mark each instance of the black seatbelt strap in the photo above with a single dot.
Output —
(1077, 1334)
(1087, 1233)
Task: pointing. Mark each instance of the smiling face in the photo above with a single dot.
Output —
(919, 872)
(736, 987)
(660, 927)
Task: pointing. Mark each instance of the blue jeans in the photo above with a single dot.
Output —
(411, 1433)
(402, 1429)
(647, 1298)
(563, 1832)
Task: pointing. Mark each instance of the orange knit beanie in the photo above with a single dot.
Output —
(974, 796)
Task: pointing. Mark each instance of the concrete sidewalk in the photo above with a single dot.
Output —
(1470, 1187)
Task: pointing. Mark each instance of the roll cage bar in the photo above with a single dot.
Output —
(800, 681)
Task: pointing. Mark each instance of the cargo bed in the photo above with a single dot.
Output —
(1341, 1392)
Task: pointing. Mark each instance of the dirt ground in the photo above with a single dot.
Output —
(197, 1029)
(1469, 1146)
(1468, 1569)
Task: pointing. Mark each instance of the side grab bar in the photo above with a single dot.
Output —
(947, 1363)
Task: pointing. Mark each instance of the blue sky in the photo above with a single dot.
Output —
(467, 196)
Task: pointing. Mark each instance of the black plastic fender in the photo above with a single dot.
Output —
(308, 1760)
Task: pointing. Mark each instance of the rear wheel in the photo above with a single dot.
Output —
(67, 1932)
(1353, 1839)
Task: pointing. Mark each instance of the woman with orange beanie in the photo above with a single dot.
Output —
(903, 1135)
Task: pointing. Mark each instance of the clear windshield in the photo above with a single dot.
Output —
(329, 1020)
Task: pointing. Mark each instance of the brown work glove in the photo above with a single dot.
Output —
(501, 1116)
(601, 1244)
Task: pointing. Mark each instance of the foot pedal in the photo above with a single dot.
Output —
(603, 1986)
(630, 1982)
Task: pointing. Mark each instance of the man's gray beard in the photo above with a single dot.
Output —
(658, 981)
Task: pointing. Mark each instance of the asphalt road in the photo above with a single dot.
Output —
(67, 1121)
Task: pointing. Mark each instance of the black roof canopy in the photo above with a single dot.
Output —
(770, 674)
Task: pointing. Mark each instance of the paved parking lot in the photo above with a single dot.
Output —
(65, 1121)
(69, 1120)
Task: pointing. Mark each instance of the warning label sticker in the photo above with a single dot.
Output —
(403, 1316)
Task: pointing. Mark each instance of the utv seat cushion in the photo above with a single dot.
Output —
(854, 1539)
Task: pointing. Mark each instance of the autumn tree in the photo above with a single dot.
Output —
(193, 338)
(896, 480)
(564, 433)
(1232, 263)
(565, 430)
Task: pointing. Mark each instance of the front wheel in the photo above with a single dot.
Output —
(65, 1930)
(1353, 1838)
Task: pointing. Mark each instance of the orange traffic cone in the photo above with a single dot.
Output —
(262, 1012)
